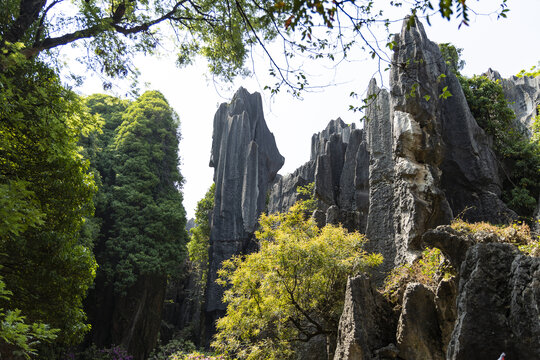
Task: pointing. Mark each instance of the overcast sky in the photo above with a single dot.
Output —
(507, 45)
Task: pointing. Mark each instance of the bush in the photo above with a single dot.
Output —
(518, 234)
(428, 270)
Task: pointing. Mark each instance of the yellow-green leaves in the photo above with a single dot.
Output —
(291, 289)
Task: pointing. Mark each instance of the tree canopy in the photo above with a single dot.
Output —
(45, 192)
(199, 242)
(140, 203)
(222, 31)
(291, 290)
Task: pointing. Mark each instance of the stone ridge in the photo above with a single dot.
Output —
(339, 169)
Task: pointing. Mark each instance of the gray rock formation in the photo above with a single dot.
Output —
(523, 96)
(445, 304)
(283, 193)
(367, 324)
(498, 305)
(418, 145)
(339, 169)
(380, 221)
(418, 333)
(245, 161)
(429, 160)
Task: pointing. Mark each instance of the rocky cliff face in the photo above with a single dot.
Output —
(523, 95)
(339, 169)
(245, 161)
(429, 160)
(420, 160)
(131, 320)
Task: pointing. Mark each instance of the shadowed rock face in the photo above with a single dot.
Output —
(497, 305)
(419, 333)
(246, 160)
(362, 330)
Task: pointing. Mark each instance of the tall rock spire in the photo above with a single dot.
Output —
(246, 160)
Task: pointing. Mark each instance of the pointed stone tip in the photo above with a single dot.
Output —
(373, 87)
(413, 26)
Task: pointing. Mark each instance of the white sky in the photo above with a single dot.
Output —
(507, 45)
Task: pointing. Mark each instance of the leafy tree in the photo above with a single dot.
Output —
(200, 235)
(452, 56)
(532, 72)
(147, 235)
(222, 31)
(45, 193)
(97, 147)
(18, 338)
(291, 290)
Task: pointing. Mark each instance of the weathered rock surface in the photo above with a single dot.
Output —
(283, 193)
(418, 145)
(418, 333)
(429, 160)
(445, 304)
(498, 305)
(339, 169)
(380, 220)
(523, 96)
(245, 161)
(367, 323)
(453, 245)
(183, 308)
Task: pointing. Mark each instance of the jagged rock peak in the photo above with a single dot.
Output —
(339, 169)
(523, 96)
(246, 160)
(334, 128)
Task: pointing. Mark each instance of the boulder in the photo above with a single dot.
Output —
(497, 305)
(367, 323)
(418, 333)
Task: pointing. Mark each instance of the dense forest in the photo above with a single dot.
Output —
(94, 249)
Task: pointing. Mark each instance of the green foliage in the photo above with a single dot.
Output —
(46, 191)
(112, 32)
(291, 289)
(179, 349)
(140, 204)
(307, 195)
(452, 57)
(534, 71)
(535, 138)
(428, 270)
(17, 338)
(200, 234)
(520, 156)
(517, 233)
